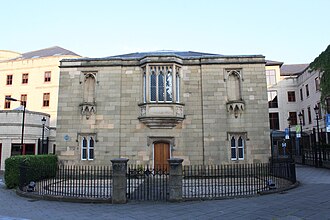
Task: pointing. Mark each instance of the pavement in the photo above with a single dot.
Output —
(310, 200)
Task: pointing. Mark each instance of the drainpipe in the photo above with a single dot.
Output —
(202, 110)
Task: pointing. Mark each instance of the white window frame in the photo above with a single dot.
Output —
(271, 77)
(89, 148)
(236, 147)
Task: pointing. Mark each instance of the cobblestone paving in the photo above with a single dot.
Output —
(311, 200)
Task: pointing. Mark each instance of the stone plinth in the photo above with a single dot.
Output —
(119, 180)
(175, 181)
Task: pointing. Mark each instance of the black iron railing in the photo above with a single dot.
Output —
(152, 183)
(69, 181)
(317, 156)
(147, 183)
(234, 180)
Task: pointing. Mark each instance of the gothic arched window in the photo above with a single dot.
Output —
(164, 83)
(89, 88)
(233, 86)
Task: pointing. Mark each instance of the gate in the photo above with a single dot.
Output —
(146, 183)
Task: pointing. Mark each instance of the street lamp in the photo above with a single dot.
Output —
(23, 103)
(317, 111)
(301, 117)
(289, 126)
(43, 121)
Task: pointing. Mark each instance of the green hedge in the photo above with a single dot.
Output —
(37, 167)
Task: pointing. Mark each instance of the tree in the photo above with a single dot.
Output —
(322, 64)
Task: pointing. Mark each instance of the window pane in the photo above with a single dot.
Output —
(240, 142)
(240, 148)
(7, 102)
(91, 143)
(91, 154)
(23, 99)
(233, 148)
(317, 84)
(153, 86)
(9, 80)
(47, 76)
(144, 87)
(169, 86)
(233, 153)
(274, 121)
(91, 149)
(291, 96)
(161, 87)
(241, 153)
(84, 148)
(177, 88)
(84, 143)
(46, 99)
(233, 142)
(303, 118)
(293, 117)
(271, 77)
(307, 90)
(84, 154)
(309, 115)
(272, 99)
(25, 78)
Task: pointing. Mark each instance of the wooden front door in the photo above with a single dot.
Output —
(161, 155)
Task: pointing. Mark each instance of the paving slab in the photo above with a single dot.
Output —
(311, 200)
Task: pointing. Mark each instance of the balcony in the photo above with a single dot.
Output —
(236, 107)
(87, 109)
(161, 115)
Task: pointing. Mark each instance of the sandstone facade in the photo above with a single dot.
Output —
(205, 108)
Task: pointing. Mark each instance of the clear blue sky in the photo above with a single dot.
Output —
(292, 31)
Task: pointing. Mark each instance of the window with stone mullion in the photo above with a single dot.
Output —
(159, 79)
(169, 85)
(161, 85)
(153, 86)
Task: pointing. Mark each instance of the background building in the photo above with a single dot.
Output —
(148, 107)
(36, 129)
(33, 78)
(294, 91)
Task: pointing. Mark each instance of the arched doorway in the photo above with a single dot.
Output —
(161, 155)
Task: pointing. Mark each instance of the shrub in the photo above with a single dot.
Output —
(37, 166)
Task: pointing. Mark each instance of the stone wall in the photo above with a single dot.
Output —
(202, 137)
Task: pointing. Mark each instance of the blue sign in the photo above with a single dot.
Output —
(66, 137)
(287, 133)
(328, 123)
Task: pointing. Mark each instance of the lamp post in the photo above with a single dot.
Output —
(317, 162)
(300, 115)
(16, 100)
(43, 121)
(301, 140)
(289, 126)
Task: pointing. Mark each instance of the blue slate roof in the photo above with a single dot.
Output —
(293, 69)
(47, 52)
(182, 54)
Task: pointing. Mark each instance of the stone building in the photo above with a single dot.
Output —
(148, 107)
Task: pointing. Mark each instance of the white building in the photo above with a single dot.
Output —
(33, 79)
(11, 133)
(293, 90)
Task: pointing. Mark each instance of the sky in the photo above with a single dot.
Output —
(290, 31)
